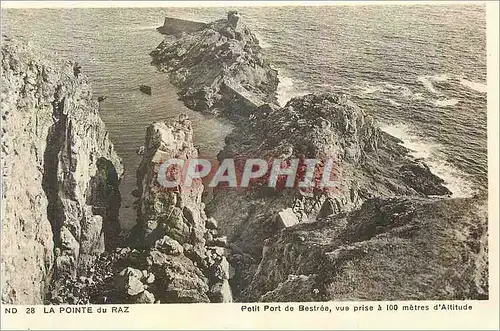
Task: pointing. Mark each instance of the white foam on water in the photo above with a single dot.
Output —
(330, 87)
(454, 179)
(384, 88)
(287, 90)
(370, 89)
(445, 102)
(439, 78)
(427, 83)
(476, 86)
(394, 103)
(373, 87)
(262, 42)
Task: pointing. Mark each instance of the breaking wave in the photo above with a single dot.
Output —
(369, 89)
(428, 80)
(287, 90)
(476, 86)
(445, 102)
(385, 88)
(454, 179)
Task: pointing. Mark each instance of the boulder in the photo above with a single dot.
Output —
(134, 286)
(150, 279)
(287, 218)
(233, 18)
(326, 209)
(168, 245)
(156, 258)
(180, 281)
(144, 297)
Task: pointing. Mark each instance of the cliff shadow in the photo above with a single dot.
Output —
(104, 196)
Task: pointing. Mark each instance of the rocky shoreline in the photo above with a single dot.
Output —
(219, 69)
(391, 230)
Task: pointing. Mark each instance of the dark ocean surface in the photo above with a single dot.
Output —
(420, 70)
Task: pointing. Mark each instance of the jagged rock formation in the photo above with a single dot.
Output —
(219, 68)
(60, 174)
(389, 249)
(368, 163)
(178, 248)
(161, 210)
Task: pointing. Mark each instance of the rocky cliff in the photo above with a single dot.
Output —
(60, 195)
(219, 69)
(176, 27)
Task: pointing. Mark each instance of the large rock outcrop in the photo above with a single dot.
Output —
(367, 163)
(219, 68)
(176, 211)
(60, 173)
(178, 248)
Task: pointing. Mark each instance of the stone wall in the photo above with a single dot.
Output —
(176, 26)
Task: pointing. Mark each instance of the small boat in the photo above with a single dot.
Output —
(145, 89)
(102, 98)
